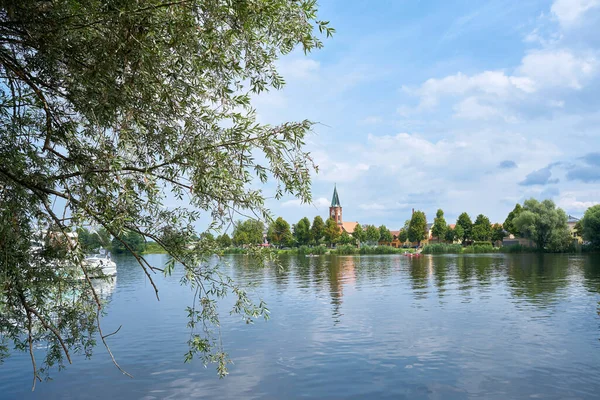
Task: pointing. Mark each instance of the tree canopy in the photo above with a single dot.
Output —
(590, 225)
(403, 235)
(279, 233)
(302, 232)
(450, 235)
(345, 238)
(439, 225)
(317, 230)
(372, 234)
(129, 240)
(385, 235)
(108, 107)
(332, 231)
(224, 240)
(248, 232)
(497, 233)
(464, 221)
(417, 227)
(545, 224)
(482, 228)
(359, 234)
(509, 225)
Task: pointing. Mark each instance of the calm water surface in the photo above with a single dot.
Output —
(436, 327)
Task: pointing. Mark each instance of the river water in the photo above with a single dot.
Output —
(434, 327)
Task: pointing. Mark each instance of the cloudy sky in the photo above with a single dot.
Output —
(460, 105)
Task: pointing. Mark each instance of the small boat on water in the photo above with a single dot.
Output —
(412, 254)
(101, 265)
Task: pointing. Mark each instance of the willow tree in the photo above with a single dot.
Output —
(107, 107)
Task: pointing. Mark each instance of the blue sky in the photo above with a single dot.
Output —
(460, 105)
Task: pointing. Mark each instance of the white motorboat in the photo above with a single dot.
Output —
(101, 265)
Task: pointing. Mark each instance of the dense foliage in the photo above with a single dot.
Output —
(248, 232)
(545, 224)
(590, 225)
(332, 231)
(439, 225)
(442, 248)
(385, 235)
(279, 233)
(107, 108)
(302, 233)
(128, 241)
(509, 225)
(359, 234)
(482, 228)
(372, 235)
(466, 225)
(224, 241)
(317, 230)
(417, 227)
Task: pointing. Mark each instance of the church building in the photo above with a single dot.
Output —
(335, 212)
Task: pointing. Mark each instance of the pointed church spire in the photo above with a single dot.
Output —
(335, 201)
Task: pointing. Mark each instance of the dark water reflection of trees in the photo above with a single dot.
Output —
(534, 278)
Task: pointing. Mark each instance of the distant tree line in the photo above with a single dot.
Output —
(542, 222)
(91, 240)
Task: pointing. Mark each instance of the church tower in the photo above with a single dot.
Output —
(335, 210)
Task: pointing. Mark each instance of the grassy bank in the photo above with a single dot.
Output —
(154, 248)
(444, 248)
(320, 250)
(481, 248)
(366, 250)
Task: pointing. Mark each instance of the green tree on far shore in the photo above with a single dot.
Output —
(385, 235)
(317, 230)
(509, 225)
(345, 238)
(439, 225)
(372, 234)
(248, 232)
(450, 235)
(403, 235)
(459, 233)
(129, 240)
(332, 231)
(224, 241)
(464, 221)
(545, 224)
(359, 234)
(417, 227)
(497, 234)
(302, 232)
(279, 233)
(482, 228)
(590, 224)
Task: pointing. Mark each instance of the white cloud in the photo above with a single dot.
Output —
(569, 202)
(337, 171)
(569, 12)
(557, 68)
(495, 83)
(471, 108)
(320, 203)
(372, 206)
(491, 94)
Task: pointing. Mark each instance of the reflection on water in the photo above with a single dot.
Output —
(433, 327)
(105, 287)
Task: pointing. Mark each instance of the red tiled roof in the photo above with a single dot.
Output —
(349, 226)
